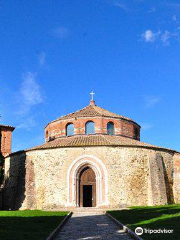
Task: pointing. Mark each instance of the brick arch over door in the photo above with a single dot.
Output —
(101, 179)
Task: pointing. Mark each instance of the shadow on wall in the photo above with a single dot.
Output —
(168, 184)
(166, 178)
(14, 183)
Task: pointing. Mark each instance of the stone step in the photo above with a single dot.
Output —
(91, 210)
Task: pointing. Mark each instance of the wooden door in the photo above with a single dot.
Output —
(87, 187)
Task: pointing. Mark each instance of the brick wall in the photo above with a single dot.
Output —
(122, 127)
(6, 139)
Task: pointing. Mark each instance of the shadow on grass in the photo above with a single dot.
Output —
(161, 217)
(28, 228)
(169, 224)
(141, 214)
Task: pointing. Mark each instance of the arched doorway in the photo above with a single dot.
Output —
(87, 188)
(76, 170)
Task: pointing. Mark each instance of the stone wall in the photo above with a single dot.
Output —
(176, 186)
(156, 185)
(136, 176)
(15, 174)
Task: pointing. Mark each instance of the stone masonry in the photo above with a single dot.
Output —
(37, 179)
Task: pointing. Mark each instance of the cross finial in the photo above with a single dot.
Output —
(92, 95)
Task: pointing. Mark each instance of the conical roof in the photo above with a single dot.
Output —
(92, 110)
(96, 140)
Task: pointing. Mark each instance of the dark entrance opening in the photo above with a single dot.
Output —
(87, 195)
(87, 188)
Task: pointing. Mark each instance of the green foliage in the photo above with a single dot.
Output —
(158, 217)
(29, 224)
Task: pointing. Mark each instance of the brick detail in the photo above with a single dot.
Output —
(122, 127)
(6, 139)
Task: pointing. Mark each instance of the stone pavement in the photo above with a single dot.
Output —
(91, 226)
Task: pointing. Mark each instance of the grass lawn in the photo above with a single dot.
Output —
(167, 217)
(28, 224)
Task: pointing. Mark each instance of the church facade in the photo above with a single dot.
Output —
(91, 158)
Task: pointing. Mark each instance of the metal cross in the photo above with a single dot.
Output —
(92, 95)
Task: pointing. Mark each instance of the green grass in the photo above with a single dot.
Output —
(167, 217)
(28, 224)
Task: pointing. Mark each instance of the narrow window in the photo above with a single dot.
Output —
(110, 128)
(46, 134)
(0, 139)
(70, 129)
(90, 127)
(136, 133)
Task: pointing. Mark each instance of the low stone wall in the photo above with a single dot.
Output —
(38, 179)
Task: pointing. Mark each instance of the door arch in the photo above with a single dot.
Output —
(101, 181)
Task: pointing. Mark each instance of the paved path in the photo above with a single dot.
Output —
(91, 226)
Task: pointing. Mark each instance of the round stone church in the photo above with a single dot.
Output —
(91, 158)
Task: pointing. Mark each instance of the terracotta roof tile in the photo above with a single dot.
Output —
(92, 111)
(94, 140)
(2, 125)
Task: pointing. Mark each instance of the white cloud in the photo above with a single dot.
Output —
(42, 58)
(30, 90)
(146, 126)
(150, 36)
(153, 9)
(176, 6)
(165, 37)
(174, 18)
(121, 5)
(29, 94)
(61, 32)
(27, 123)
(22, 104)
(152, 101)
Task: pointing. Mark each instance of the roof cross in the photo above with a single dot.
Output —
(92, 95)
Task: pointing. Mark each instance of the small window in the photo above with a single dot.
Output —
(70, 129)
(46, 134)
(136, 133)
(110, 128)
(0, 138)
(90, 128)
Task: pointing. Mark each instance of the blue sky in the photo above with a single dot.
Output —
(54, 52)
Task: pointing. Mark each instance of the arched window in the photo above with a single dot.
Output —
(110, 128)
(70, 129)
(90, 128)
